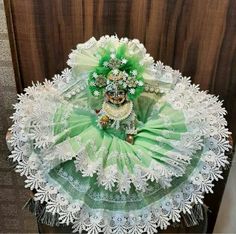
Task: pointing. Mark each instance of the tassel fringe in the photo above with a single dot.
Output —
(198, 214)
(39, 210)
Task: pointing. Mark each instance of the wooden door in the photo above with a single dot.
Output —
(197, 37)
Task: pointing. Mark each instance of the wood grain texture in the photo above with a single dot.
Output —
(197, 37)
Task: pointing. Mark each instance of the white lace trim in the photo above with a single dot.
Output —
(110, 176)
(205, 122)
(39, 104)
(159, 214)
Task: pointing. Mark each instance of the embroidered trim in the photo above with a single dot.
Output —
(208, 121)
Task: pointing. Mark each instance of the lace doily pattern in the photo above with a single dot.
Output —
(159, 214)
(40, 134)
(37, 150)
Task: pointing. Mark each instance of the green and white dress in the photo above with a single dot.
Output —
(90, 177)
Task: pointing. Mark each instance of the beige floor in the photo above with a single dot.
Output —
(226, 220)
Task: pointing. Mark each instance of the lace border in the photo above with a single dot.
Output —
(157, 215)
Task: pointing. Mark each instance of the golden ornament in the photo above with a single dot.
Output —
(117, 112)
(104, 120)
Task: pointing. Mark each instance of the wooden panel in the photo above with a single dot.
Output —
(197, 37)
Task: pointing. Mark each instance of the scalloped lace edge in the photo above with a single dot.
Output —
(158, 214)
